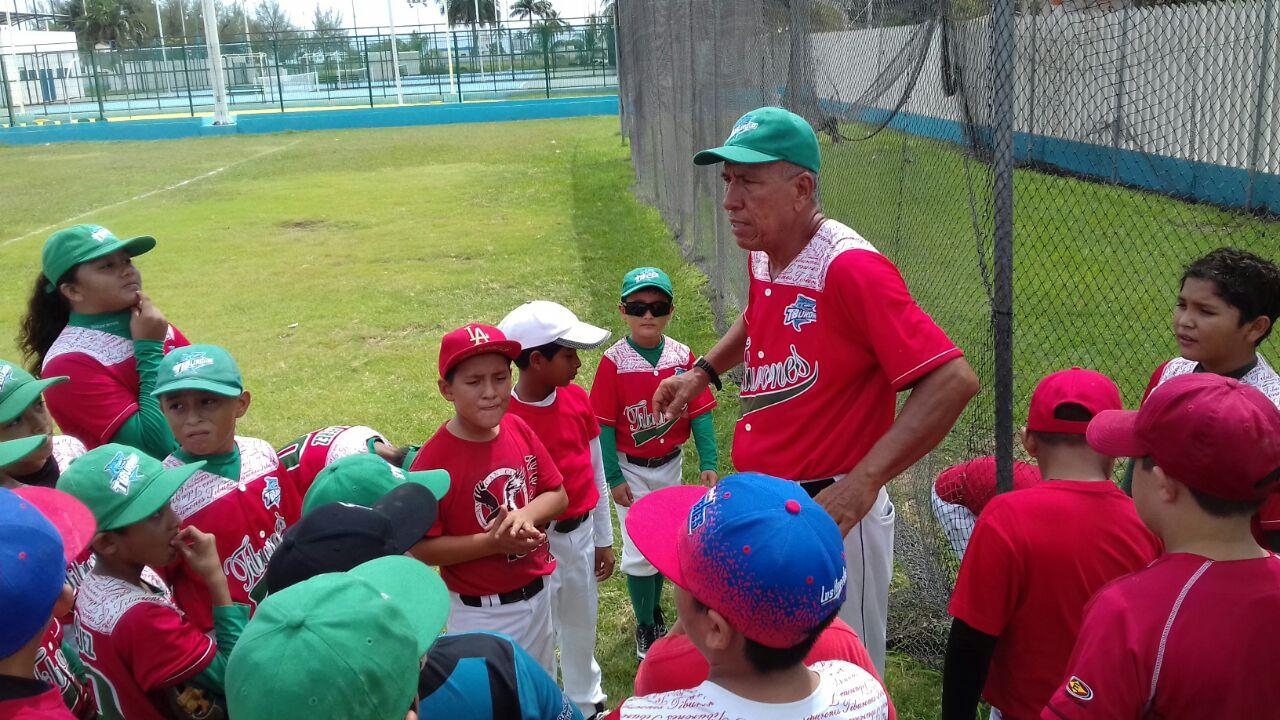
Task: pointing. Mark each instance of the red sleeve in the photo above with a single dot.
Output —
(970, 484)
(604, 393)
(586, 414)
(175, 340)
(1154, 382)
(990, 578)
(705, 401)
(161, 648)
(549, 477)
(905, 340)
(1104, 678)
(92, 405)
(426, 459)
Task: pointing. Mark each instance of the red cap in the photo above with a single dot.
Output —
(1207, 431)
(1088, 388)
(70, 517)
(471, 340)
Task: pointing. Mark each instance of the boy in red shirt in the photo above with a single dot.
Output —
(1193, 634)
(489, 540)
(559, 411)
(1038, 555)
(242, 496)
(962, 491)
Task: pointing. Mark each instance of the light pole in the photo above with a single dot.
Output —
(221, 114)
(395, 53)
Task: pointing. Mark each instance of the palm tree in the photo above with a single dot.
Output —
(529, 9)
(104, 21)
(463, 12)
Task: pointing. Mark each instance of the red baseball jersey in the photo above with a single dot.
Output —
(1187, 637)
(246, 515)
(830, 341)
(52, 667)
(45, 706)
(103, 390)
(972, 484)
(624, 387)
(511, 470)
(305, 457)
(566, 427)
(135, 643)
(1035, 559)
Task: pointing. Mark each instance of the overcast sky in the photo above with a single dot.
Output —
(374, 12)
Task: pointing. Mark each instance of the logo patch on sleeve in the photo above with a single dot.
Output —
(801, 312)
(1078, 689)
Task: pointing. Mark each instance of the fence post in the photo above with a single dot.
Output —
(1260, 103)
(453, 39)
(186, 77)
(368, 69)
(97, 89)
(1002, 300)
(546, 59)
(1117, 111)
(8, 89)
(275, 54)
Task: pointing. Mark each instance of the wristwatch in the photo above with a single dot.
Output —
(702, 364)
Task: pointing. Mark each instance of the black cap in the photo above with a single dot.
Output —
(337, 537)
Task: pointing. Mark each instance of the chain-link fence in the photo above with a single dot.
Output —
(290, 70)
(1092, 147)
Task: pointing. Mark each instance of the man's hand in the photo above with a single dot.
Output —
(710, 478)
(146, 322)
(604, 563)
(677, 391)
(848, 500)
(622, 495)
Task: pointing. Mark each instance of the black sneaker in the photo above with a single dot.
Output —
(659, 622)
(645, 637)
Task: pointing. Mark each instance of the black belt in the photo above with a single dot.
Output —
(654, 462)
(813, 487)
(505, 598)
(573, 523)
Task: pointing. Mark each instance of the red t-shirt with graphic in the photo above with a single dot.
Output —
(52, 667)
(246, 516)
(135, 643)
(1186, 638)
(972, 484)
(511, 470)
(306, 456)
(566, 427)
(623, 389)
(830, 341)
(1035, 559)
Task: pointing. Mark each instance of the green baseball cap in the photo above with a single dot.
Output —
(81, 243)
(647, 277)
(363, 479)
(340, 645)
(11, 451)
(19, 388)
(122, 485)
(765, 135)
(199, 367)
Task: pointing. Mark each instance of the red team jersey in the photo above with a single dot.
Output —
(972, 484)
(830, 341)
(511, 470)
(45, 706)
(1187, 637)
(246, 516)
(1035, 559)
(624, 387)
(566, 427)
(135, 643)
(52, 667)
(103, 390)
(305, 457)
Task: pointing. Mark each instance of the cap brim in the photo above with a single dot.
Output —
(733, 153)
(19, 400)
(11, 451)
(135, 246)
(510, 349)
(655, 523)
(584, 337)
(197, 384)
(154, 496)
(412, 509)
(72, 518)
(413, 587)
(1114, 433)
(437, 481)
(649, 286)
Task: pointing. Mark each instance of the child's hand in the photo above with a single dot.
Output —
(505, 542)
(604, 563)
(622, 495)
(199, 550)
(710, 478)
(146, 322)
(517, 522)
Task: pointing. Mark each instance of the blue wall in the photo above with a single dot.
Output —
(315, 120)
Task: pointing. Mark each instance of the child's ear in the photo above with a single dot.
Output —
(242, 406)
(720, 634)
(445, 389)
(1168, 488)
(1256, 328)
(105, 543)
(1029, 442)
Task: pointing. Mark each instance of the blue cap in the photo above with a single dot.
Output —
(32, 570)
(754, 548)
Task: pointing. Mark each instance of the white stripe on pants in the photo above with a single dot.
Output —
(957, 523)
(868, 550)
(574, 605)
(642, 481)
(528, 622)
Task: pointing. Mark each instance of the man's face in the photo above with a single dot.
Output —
(763, 202)
(34, 420)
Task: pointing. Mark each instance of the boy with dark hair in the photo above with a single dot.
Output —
(489, 540)
(759, 573)
(559, 412)
(1192, 634)
(1036, 557)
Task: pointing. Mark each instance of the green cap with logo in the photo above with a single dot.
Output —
(11, 451)
(19, 388)
(122, 485)
(339, 645)
(765, 135)
(81, 243)
(643, 278)
(199, 367)
(363, 479)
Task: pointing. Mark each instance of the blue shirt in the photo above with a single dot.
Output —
(487, 676)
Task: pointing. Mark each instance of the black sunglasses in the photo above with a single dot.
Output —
(637, 308)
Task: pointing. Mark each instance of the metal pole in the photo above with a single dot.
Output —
(546, 57)
(1117, 103)
(217, 79)
(275, 52)
(1260, 103)
(1002, 306)
(97, 90)
(164, 57)
(368, 70)
(8, 89)
(475, 28)
(395, 54)
(453, 38)
(186, 79)
(182, 5)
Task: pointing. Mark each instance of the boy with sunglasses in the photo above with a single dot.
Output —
(642, 451)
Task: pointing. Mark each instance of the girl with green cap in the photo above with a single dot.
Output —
(89, 320)
(23, 414)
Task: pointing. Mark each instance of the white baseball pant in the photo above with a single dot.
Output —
(957, 523)
(643, 481)
(868, 550)
(575, 602)
(528, 622)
